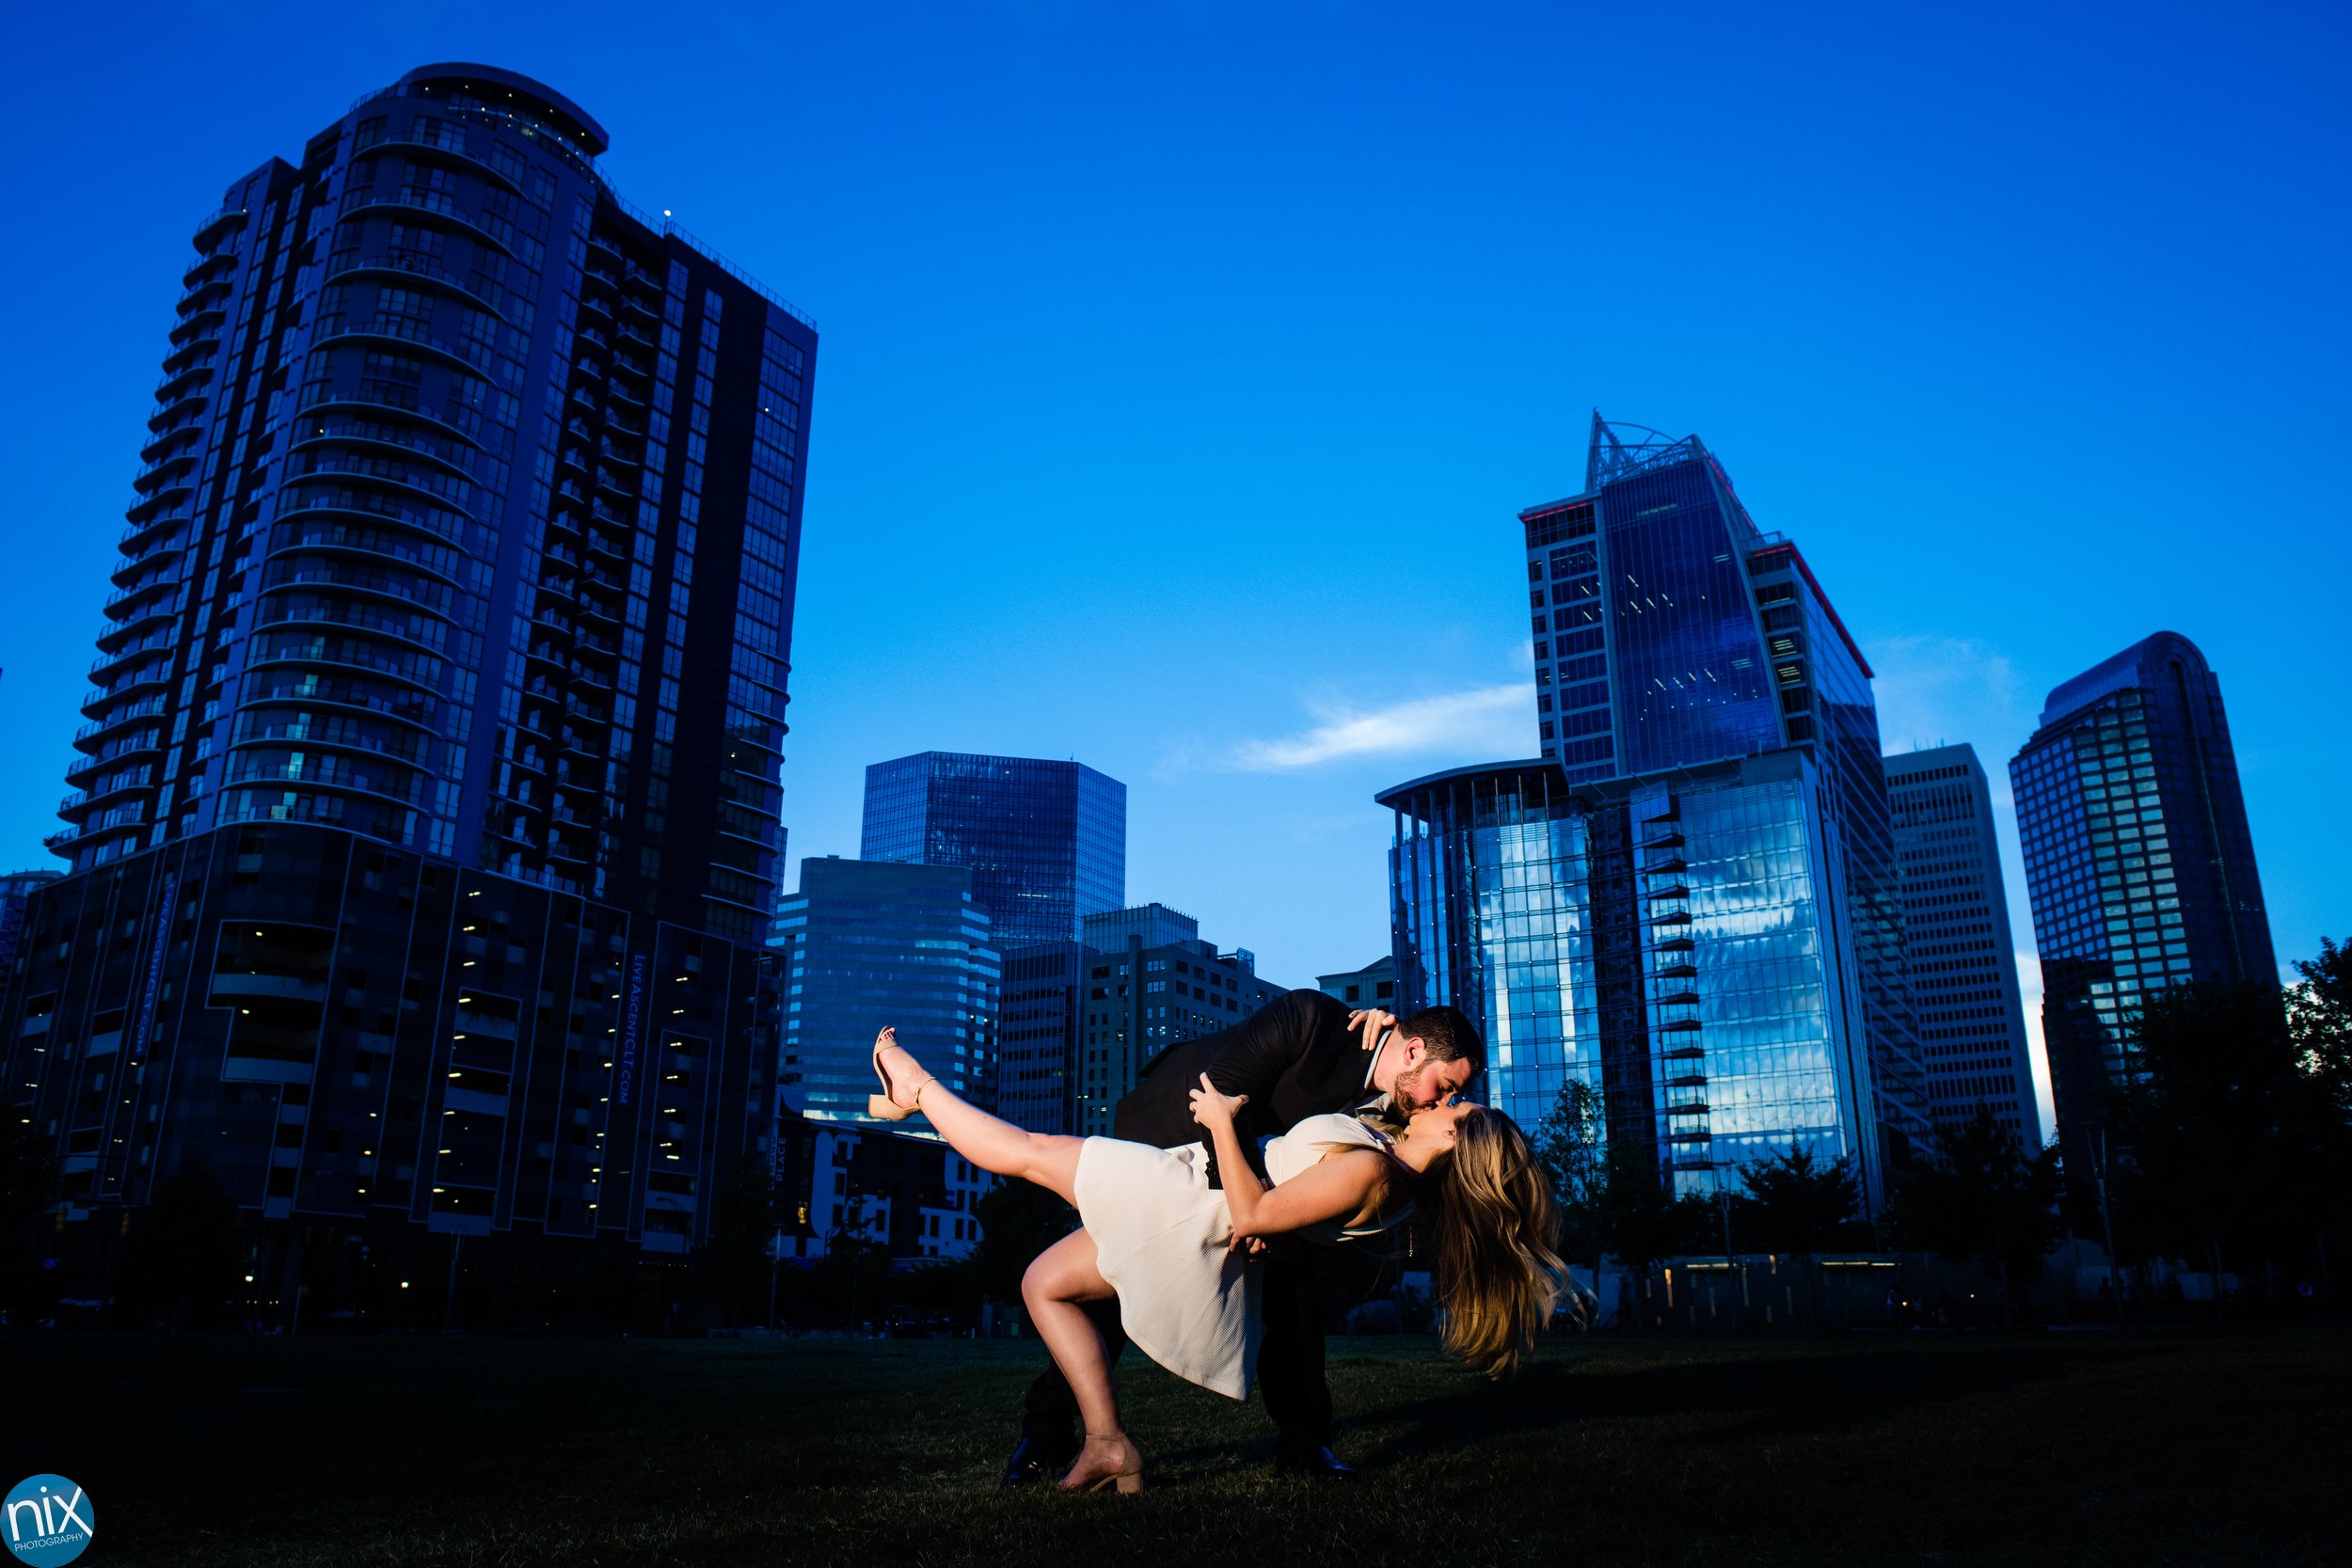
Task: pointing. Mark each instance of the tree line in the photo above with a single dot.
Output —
(2226, 1144)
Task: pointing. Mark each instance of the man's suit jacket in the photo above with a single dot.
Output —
(1294, 1057)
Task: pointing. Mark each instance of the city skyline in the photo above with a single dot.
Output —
(1995, 344)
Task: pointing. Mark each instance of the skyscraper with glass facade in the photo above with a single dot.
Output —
(1963, 964)
(1045, 841)
(1691, 898)
(872, 944)
(2139, 861)
(1037, 1035)
(412, 877)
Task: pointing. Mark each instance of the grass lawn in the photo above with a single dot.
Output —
(2190, 1448)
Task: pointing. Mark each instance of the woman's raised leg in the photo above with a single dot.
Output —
(1064, 1276)
(1048, 1159)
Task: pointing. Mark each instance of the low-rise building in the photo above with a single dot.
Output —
(1152, 983)
(912, 1195)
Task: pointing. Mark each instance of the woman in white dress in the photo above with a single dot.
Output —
(1159, 1238)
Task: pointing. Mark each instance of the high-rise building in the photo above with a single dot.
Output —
(16, 890)
(1151, 982)
(1045, 842)
(869, 944)
(1038, 1033)
(2139, 861)
(1691, 899)
(1963, 964)
(1372, 986)
(412, 882)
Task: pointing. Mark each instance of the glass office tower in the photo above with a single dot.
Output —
(1691, 898)
(868, 944)
(1963, 964)
(1037, 1035)
(2139, 861)
(1045, 842)
(398, 813)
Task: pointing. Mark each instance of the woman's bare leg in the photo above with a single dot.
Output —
(1048, 1159)
(1065, 1274)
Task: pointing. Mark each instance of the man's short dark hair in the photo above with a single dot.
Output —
(1448, 1035)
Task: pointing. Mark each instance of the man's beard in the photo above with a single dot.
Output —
(1405, 1095)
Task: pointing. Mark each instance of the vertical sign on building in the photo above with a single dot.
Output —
(633, 983)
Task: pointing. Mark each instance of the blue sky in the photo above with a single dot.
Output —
(1184, 364)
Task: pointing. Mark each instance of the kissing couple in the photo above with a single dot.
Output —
(1306, 1126)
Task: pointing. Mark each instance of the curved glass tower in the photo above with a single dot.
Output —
(440, 442)
(427, 815)
(2139, 861)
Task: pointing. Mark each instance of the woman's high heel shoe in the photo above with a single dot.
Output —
(883, 1106)
(1129, 1480)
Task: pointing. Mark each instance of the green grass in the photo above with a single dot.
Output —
(2189, 1449)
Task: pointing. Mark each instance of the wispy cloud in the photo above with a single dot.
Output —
(1478, 725)
(1940, 690)
(1943, 690)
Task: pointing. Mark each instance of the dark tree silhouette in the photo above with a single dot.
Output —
(1982, 1196)
(1614, 1199)
(1018, 1220)
(852, 1281)
(735, 1264)
(1796, 1204)
(1571, 1143)
(28, 1180)
(183, 1251)
(2222, 1130)
(2319, 1021)
(1639, 1222)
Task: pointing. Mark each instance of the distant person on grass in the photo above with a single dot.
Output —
(1161, 1238)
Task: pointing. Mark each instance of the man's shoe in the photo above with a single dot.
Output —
(1035, 1459)
(1317, 1464)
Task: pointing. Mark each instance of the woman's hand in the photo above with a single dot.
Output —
(1374, 1022)
(1212, 1109)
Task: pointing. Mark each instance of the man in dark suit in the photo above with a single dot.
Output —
(1301, 1054)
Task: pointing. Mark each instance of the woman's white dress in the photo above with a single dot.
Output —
(1161, 1234)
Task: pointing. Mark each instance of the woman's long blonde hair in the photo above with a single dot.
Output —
(1495, 1224)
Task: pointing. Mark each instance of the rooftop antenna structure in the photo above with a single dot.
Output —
(1616, 450)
